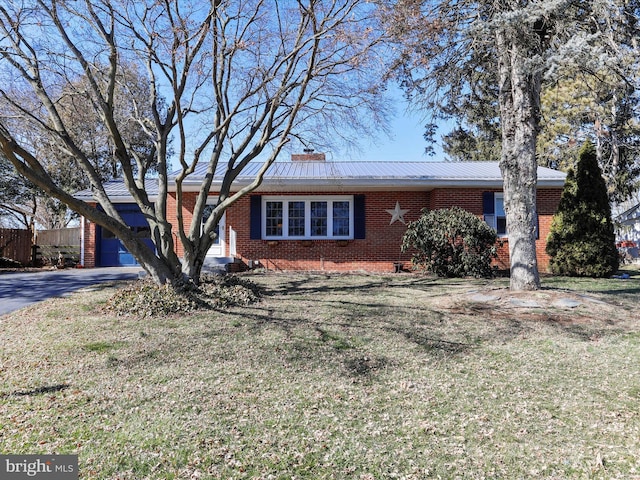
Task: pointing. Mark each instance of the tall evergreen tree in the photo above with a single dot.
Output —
(575, 105)
(582, 239)
(603, 108)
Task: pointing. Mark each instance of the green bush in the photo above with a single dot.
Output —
(451, 243)
(581, 241)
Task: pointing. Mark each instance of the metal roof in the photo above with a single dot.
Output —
(118, 192)
(376, 175)
(336, 176)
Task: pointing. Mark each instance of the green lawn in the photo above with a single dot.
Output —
(335, 376)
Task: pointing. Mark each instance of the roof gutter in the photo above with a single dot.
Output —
(280, 184)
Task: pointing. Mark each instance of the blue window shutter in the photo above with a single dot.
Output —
(489, 209)
(359, 221)
(255, 214)
(488, 205)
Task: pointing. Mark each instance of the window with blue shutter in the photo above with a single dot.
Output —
(307, 217)
(493, 212)
(310, 217)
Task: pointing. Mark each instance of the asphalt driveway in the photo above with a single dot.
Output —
(18, 290)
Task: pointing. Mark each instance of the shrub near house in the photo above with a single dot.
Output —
(451, 243)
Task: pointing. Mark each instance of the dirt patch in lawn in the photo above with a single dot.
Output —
(542, 305)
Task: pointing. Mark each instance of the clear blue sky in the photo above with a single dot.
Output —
(406, 142)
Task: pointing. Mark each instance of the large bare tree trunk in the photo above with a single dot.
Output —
(208, 89)
(157, 268)
(519, 101)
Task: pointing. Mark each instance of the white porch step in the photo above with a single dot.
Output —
(217, 264)
(218, 260)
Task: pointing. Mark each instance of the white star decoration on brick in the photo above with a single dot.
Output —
(397, 214)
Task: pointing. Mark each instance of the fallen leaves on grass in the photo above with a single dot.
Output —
(144, 298)
(331, 377)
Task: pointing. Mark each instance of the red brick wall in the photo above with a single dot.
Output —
(89, 243)
(188, 204)
(381, 247)
(376, 253)
(547, 204)
(468, 199)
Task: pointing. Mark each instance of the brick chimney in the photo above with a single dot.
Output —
(308, 156)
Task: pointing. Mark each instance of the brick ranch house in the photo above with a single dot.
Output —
(312, 214)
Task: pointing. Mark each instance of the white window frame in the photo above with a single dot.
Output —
(307, 199)
(492, 220)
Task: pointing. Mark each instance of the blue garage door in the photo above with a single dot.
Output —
(112, 252)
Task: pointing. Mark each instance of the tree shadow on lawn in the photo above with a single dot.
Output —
(346, 339)
(425, 325)
(313, 283)
(323, 324)
(584, 329)
(48, 389)
(433, 344)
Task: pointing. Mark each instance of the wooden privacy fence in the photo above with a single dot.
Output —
(15, 244)
(60, 247)
(59, 236)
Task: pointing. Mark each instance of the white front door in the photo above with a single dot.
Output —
(217, 249)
